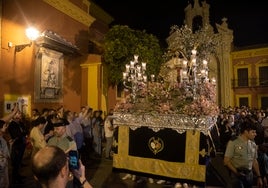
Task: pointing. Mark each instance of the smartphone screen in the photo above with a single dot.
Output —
(73, 159)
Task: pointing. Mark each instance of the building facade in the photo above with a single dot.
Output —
(241, 74)
(63, 66)
(250, 77)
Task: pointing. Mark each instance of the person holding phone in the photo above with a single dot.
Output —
(50, 166)
(73, 159)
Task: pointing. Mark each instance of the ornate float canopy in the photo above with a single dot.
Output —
(177, 122)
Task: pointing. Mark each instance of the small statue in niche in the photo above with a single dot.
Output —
(50, 76)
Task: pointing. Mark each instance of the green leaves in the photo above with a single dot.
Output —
(120, 45)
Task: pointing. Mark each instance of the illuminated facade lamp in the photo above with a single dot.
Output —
(32, 35)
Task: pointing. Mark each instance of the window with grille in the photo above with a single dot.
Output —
(263, 73)
(242, 75)
(243, 101)
(264, 103)
(197, 23)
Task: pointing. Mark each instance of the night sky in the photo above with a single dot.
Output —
(247, 19)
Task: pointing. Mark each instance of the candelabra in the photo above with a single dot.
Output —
(194, 73)
(134, 77)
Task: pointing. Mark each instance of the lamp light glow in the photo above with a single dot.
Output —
(32, 34)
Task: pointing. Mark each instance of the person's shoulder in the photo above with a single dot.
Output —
(70, 139)
(51, 140)
(33, 130)
(234, 137)
(252, 143)
(107, 121)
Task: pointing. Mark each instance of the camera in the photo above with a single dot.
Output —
(73, 159)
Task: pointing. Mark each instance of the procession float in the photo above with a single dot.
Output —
(164, 123)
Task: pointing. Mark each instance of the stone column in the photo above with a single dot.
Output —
(225, 64)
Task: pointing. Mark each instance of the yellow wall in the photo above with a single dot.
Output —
(252, 59)
(93, 85)
(95, 98)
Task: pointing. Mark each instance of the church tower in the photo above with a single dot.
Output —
(196, 16)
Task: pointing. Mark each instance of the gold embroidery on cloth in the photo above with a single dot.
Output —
(156, 145)
(189, 170)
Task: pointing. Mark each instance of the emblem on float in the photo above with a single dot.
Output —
(156, 145)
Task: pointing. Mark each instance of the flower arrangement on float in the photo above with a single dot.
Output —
(159, 97)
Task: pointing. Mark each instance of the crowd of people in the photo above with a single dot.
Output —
(57, 130)
(241, 136)
(243, 142)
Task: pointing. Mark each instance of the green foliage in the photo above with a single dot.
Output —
(185, 40)
(120, 45)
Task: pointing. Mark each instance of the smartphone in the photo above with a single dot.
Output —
(73, 159)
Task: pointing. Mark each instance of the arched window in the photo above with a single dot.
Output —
(197, 23)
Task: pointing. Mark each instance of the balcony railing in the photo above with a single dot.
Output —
(251, 82)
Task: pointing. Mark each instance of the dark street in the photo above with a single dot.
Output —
(100, 172)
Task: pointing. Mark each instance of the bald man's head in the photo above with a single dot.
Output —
(44, 156)
(47, 163)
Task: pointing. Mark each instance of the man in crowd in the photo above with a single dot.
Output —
(60, 138)
(241, 157)
(109, 135)
(50, 167)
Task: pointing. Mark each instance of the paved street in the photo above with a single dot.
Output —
(99, 171)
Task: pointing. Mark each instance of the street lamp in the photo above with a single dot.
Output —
(32, 34)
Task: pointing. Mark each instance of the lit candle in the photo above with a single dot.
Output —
(184, 73)
(143, 66)
(139, 76)
(184, 63)
(145, 78)
(203, 72)
(136, 58)
(194, 61)
(132, 63)
(139, 68)
(194, 52)
(213, 80)
(152, 77)
(127, 67)
(124, 75)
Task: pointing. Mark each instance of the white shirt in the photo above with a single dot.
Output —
(108, 128)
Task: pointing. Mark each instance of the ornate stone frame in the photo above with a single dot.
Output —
(48, 75)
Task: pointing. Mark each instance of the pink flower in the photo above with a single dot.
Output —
(162, 98)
